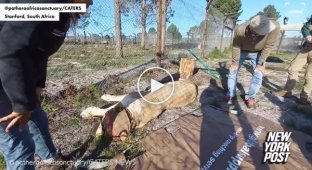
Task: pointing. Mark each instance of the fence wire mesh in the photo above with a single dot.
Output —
(88, 56)
(89, 48)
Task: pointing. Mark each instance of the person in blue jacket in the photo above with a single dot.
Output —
(24, 50)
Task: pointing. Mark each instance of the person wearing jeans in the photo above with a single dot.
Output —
(256, 80)
(24, 50)
(253, 40)
(18, 147)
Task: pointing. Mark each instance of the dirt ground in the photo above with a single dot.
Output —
(73, 135)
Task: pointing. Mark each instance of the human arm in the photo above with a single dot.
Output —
(16, 71)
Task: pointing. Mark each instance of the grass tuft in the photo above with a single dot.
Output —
(2, 162)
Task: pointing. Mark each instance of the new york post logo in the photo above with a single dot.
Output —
(276, 147)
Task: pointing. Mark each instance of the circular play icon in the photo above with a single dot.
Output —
(158, 92)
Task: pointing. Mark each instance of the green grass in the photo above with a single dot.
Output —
(218, 54)
(2, 162)
(74, 121)
(90, 95)
(131, 147)
(48, 105)
(79, 59)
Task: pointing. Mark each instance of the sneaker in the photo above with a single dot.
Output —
(283, 93)
(251, 103)
(304, 101)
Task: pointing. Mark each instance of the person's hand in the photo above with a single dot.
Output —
(260, 68)
(309, 38)
(16, 119)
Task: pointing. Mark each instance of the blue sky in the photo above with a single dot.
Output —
(296, 10)
(191, 12)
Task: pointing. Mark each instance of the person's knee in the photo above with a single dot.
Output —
(26, 149)
(258, 75)
(233, 73)
(19, 151)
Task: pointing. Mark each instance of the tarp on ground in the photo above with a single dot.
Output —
(220, 141)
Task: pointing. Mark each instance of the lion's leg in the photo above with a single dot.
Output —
(91, 112)
(108, 97)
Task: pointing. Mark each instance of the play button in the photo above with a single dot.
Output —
(155, 85)
(159, 82)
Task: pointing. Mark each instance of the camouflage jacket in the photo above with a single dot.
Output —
(307, 28)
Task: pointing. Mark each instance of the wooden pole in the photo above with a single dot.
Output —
(159, 20)
(280, 42)
(143, 24)
(163, 25)
(118, 33)
(205, 34)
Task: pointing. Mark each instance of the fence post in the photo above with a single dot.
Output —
(159, 21)
(118, 33)
(205, 34)
(280, 42)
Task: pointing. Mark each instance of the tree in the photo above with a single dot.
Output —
(173, 32)
(83, 23)
(162, 19)
(229, 8)
(205, 28)
(143, 10)
(270, 12)
(194, 32)
(140, 34)
(118, 38)
(151, 35)
(143, 23)
(107, 38)
(152, 31)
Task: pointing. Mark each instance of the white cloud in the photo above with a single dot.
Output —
(303, 3)
(286, 3)
(295, 12)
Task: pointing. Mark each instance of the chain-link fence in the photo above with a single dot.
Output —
(219, 30)
(90, 46)
(88, 56)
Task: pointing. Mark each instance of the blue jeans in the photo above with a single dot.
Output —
(256, 80)
(19, 147)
